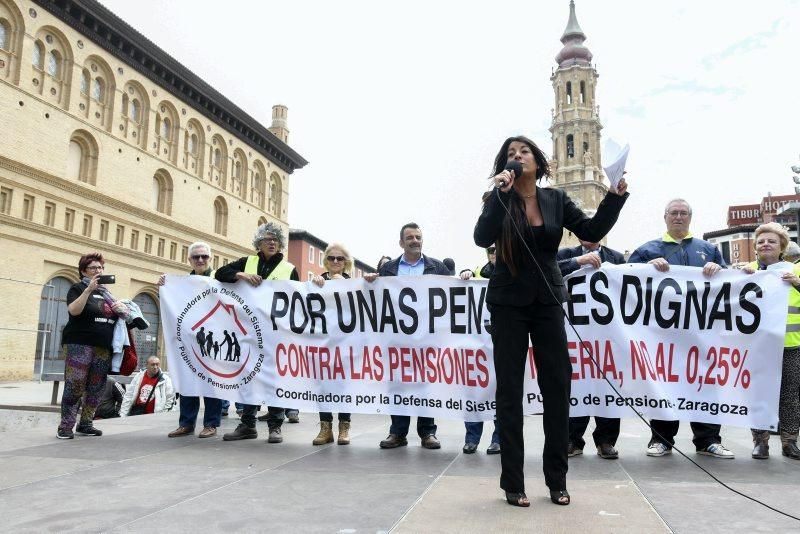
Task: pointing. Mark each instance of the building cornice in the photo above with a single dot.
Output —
(118, 38)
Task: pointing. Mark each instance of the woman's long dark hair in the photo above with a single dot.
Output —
(508, 245)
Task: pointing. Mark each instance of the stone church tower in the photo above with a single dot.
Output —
(576, 124)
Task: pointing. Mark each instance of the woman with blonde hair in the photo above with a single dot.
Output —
(771, 242)
(338, 264)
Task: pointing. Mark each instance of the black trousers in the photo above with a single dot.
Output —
(511, 329)
(606, 430)
(704, 433)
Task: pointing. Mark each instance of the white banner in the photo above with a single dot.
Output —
(677, 346)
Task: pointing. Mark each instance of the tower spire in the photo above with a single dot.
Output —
(574, 51)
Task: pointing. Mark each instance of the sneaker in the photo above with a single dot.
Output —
(717, 450)
(65, 434)
(275, 435)
(572, 450)
(88, 430)
(658, 449)
(242, 432)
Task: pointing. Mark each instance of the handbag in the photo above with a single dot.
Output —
(139, 409)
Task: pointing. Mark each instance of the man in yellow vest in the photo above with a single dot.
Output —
(268, 264)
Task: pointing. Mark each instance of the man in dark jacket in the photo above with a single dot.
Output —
(678, 247)
(411, 263)
(268, 264)
(605, 435)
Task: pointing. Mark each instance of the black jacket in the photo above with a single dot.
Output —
(567, 263)
(558, 212)
(432, 266)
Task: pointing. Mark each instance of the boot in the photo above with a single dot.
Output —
(761, 444)
(789, 442)
(344, 433)
(325, 433)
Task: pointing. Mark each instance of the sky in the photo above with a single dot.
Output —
(400, 107)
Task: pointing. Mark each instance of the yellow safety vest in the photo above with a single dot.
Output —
(282, 271)
(477, 273)
(792, 338)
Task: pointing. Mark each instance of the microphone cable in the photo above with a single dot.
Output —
(613, 387)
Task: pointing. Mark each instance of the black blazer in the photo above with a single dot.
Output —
(566, 257)
(558, 212)
(432, 266)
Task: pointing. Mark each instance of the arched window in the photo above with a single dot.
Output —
(259, 185)
(135, 110)
(37, 59)
(220, 216)
(84, 82)
(275, 193)
(4, 38)
(583, 92)
(193, 145)
(569, 92)
(82, 157)
(570, 146)
(219, 161)
(239, 182)
(166, 129)
(99, 90)
(54, 64)
(162, 192)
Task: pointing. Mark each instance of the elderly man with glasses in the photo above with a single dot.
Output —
(678, 247)
(267, 264)
(199, 259)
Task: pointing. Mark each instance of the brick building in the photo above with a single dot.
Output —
(737, 240)
(306, 253)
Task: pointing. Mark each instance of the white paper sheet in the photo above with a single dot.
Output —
(616, 157)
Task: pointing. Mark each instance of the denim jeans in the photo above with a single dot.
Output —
(224, 405)
(475, 430)
(190, 406)
(274, 418)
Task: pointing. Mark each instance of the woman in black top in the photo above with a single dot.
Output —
(339, 265)
(524, 297)
(86, 346)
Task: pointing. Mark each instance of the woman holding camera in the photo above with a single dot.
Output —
(86, 346)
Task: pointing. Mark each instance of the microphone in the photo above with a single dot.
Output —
(450, 264)
(514, 166)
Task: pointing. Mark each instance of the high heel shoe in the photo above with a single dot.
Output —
(559, 497)
(517, 499)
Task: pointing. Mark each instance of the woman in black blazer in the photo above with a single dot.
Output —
(525, 301)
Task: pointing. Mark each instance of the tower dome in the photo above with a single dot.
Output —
(574, 51)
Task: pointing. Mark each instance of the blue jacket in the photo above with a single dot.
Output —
(692, 252)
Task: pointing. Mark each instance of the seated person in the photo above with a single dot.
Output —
(150, 391)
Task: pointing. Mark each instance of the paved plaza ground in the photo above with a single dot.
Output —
(135, 479)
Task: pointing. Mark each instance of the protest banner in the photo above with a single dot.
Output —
(676, 345)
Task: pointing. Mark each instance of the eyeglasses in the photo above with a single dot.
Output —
(336, 258)
(201, 257)
(270, 240)
(490, 250)
(94, 268)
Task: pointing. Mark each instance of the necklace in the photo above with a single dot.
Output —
(529, 196)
